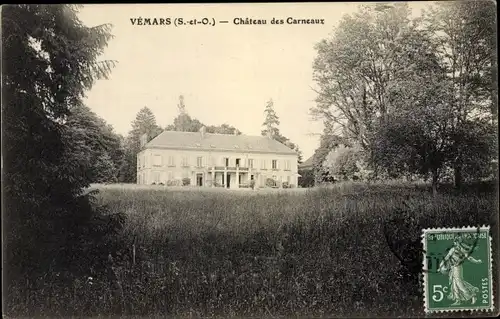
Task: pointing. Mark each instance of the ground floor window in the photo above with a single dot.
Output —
(156, 177)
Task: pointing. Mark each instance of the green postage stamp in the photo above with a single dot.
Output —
(457, 269)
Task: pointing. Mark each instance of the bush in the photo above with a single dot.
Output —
(344, 163)
(174, 182)
(217, 184)
(306, 178)
(186, 181)
(270, 182)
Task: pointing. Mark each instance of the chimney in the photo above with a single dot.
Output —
(143, 140)
(203, 131)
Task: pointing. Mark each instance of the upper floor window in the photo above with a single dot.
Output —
(263, 164)
(171, 160)
(226, 161)
(250, 162)
(287, 165)
(275, 164)
(184, 161)
(238, 162)
(199, 161)
(157, 160)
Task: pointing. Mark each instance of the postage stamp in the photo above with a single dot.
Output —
(457, 269)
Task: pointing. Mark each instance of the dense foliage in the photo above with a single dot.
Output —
(271, 126)
(49, 61)
(417, 94)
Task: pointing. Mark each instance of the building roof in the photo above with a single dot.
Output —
(307, 163)
(218, 142)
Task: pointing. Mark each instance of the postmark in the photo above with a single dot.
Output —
(457, 269)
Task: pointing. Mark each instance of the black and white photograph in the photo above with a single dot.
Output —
(250, 160)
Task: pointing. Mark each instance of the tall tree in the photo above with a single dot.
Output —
(354, 69)
(181, 106)
(185, 123)
(421, 135)
(271, 125)
(466, 35)
(49, 60)
(95, 145)
(144, 123)
(271, 121)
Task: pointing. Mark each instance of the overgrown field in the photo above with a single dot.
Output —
(349, 250)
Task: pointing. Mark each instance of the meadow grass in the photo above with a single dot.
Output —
(349, 250)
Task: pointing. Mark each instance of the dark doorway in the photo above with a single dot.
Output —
(239, 179)
(251, 177)
(228, 181)
(199, 179)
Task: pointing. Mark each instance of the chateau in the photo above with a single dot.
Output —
(216, 160)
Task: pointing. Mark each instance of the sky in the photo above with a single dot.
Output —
(226, 72)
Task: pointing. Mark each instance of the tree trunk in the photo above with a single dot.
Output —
(435, 178)
(457, 170)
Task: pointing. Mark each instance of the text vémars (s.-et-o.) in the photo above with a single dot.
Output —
(149, 21)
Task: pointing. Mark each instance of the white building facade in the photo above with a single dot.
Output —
(216, 160)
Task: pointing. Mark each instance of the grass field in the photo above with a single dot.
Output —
(301, 252)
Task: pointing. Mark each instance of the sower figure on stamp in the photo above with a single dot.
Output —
(460, 290)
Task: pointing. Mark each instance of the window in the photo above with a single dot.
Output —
(171, 160)
(275, 164)
(238, 161)
(199, 161)
(184, 161)
(156, 177)
(139, 162)
(157, 160)
(287, 165)
(139, 179)
(170, 176)
(250, 163)
(226, 161)
(263, 164)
